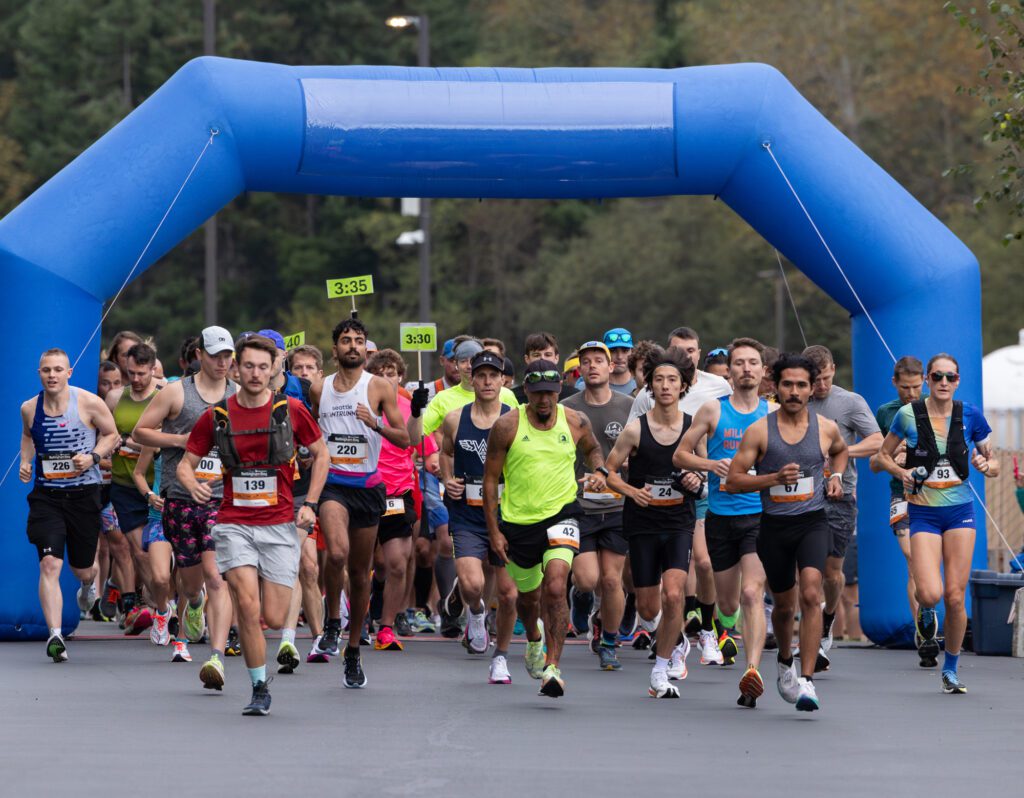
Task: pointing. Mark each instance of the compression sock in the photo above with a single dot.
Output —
(258, 674)
(788, 661)
(288, 636)
(444, 570)
(422, 581)
(951, 662)
(707, 616)
(608, 638)
(826, 622)
(690, 605)
(728, 621)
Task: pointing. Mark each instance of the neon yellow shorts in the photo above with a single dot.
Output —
(529, 579)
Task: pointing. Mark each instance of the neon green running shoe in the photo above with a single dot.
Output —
(552, 685)
(287, 657)
(194, 621)
(535, 654)
(212, 674)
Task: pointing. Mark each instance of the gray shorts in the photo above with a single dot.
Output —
(842, 522)
(273, 550)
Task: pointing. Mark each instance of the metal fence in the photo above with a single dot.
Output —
(1001, 498)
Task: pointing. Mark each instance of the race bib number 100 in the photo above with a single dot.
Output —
(209, 467)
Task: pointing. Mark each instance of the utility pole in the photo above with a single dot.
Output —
(423, 59)
(210, 228)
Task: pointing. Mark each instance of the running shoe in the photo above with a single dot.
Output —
(552, 684)
(595, 632)
(452, 607)
(927, 628)
(56, 650)
(692, 625)
(327, 643)
(807, 697)
(212, 673)
(402, 626)
(770, 643)
(260, 702)
(826, 639)
(535, 656)
(789, 687)
(727, 645)
(491, 623)
(519, 629)
(86, 596)
(353, 669)
(499, 671)
(287, 657)
(172, 622)
(476, 640)
(316, 655)
(234, 646)
(193, 620)
(159, 634)
(364, 638)
(629, 618)
(180, 652)
(108, 604)
(386, 640)
(677, 670)
(96, 612)
(822, 663)
(137, 621)
(580, 606)
(951, 683)
(661, 687)
(422, 623)
(343, 614)
(926, 659)
(609, 659)
(709, 653)
(641, 640)
(751, 688)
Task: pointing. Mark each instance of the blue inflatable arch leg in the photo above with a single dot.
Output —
(390, 131)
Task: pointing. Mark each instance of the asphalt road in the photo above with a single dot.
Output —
(120, 718)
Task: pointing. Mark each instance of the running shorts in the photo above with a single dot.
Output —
(272, 549)
(730, 538)
(188, 528)
(131, 508)
(938, 520)
(532, 546)
(602, 531)
(650, 555)
(60, 518)
(365, 505)
(789, 542)
(398, 519)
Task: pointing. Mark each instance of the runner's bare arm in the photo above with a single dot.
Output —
(624, 446)
(839, 453)
(687, 453)
(454, 487)
(139, 478)
(752, 447)
(498, 442)
(166, 404)
(99, 416)
(983, 459)
(387, 403)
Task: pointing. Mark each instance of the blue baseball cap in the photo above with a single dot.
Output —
(276, 337)
(449, 348)
(618, 338)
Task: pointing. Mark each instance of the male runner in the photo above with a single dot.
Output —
(449, 379)
(130, 507)
(603, 547)
(464, 444)
(540, 346)
(619, 341)
(789, 449)
(855, 419)
(188, 522)
(115, 544)
(659, 513)
(535, 450)
(733, 519)
(907, 379)
(65, 432)
(256, 433)
(350, 405)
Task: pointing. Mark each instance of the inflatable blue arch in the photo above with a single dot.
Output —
(532, 133)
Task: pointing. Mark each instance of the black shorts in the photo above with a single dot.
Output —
(131, 509)
(850, 562)
(730, 537)
(842, 520)
(527, 543)
(401, 522)
(65, 517)
(365, 505)
(650, 555)
(788, 542)
(602, 531)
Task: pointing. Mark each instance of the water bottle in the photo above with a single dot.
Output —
(920, 474)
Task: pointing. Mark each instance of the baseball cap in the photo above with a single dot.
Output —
(449, 348)
(618, 338)
(371, 346)
(510, 367)
(599, 346)
(217, 339)
(542, 375)
(274, 336)
(468, 349)
(487, 358)
(572, 364)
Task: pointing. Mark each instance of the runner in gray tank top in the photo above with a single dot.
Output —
(789, 449)
(166, 424)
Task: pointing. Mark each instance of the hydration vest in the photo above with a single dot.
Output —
(280, 443)
(926, 452)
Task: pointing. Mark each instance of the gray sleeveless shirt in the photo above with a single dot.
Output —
(808, 494)
(192, 407)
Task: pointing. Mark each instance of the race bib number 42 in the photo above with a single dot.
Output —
(347, 450)
(254, 487)
(800, 491)
(58, 465)
(565, 533)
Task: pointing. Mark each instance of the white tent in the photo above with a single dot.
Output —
(1003, 383)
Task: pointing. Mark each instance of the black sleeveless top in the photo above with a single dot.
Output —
(671, 510)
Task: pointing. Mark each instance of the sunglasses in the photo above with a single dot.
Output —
(716, 353)
(948, 376)
(542, 376)
(619, 338)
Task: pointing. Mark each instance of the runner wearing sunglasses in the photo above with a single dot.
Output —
(717, 362)
(939, 431)
(619, 341)
(535, 448)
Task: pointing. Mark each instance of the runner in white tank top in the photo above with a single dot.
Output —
(354, 448)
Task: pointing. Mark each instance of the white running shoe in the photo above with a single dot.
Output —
(710, 654)
(648, 626)
(476, 640)
(86, 597)
(826, 642)
(788, 683)
(499, 671)
(661, 687)
(343, 614)
(807, 696)
(181, 652)
(158, 632)
(677, 661)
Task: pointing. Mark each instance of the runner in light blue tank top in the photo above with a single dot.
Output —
(723, 444)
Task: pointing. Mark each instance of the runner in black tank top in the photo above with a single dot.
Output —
(659, 512)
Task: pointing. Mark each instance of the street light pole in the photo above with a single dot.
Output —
(210, 228)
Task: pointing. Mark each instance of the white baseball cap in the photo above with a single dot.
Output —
(217, 339)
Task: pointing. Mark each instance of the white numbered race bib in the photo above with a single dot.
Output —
(254, 487)
(57, 465)
(395, 506)
(565, 533)
(801, 491)
(210, 467)
(942, 476)
(475, 491)
(897, 512)
(663, 494)
(347, 450)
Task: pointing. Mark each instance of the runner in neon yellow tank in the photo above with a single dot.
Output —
(535, 449)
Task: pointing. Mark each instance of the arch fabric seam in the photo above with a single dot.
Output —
(768, 148)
